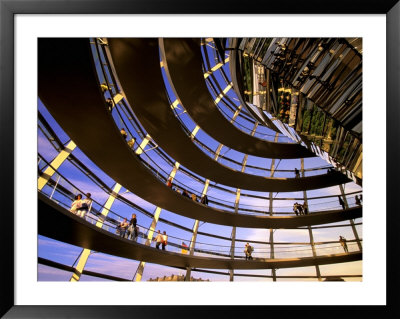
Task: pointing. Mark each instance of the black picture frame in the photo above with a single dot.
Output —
(8, 10)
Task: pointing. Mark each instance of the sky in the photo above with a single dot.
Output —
(125, 268)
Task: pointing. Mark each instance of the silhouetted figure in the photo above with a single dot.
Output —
(341, 202)
(158, 239)
(305, 208)
(296, 208)
(358, 201)
(204, 200)
(248, 250)
(343, 242)
(296, 173)
(164, 240)
(185, 193)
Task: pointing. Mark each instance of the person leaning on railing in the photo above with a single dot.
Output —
(132, 229)
(76, 204)
(164, 240)
(158, 239)
(123, 227)
(86, 204)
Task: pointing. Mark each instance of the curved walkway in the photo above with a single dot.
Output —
(136, 62)
(182, 61)
(76, 231)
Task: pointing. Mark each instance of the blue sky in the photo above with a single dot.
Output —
(67, 254)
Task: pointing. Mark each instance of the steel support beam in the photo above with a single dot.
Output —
(353, 227)
(139, 271)
(86, 252)
(56, 162)
(194, 235)
(309, 228)
(271, 199)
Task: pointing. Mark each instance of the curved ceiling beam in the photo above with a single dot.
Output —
(136, 62)
(182, 61)
(69, 87)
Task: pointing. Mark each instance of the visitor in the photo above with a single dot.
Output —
(110, 104)
(169, 182)
(158, 239)
(184, 248)
(123, 133)
(358, 201)
(123, 226)
(132, 232)
(131, 142)
(104, 87)
(341, 202)
(300, 209)
(296, 173)
(204, 200)
(194, 197)
(85, 206)
(185, 193)
(305, 208)
(76, 204)
(248, 251)
(178, 190)
(164, 240)
(295, 208)
(343, 242)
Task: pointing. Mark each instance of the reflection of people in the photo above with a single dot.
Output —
(343, 242)
(184, 248)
